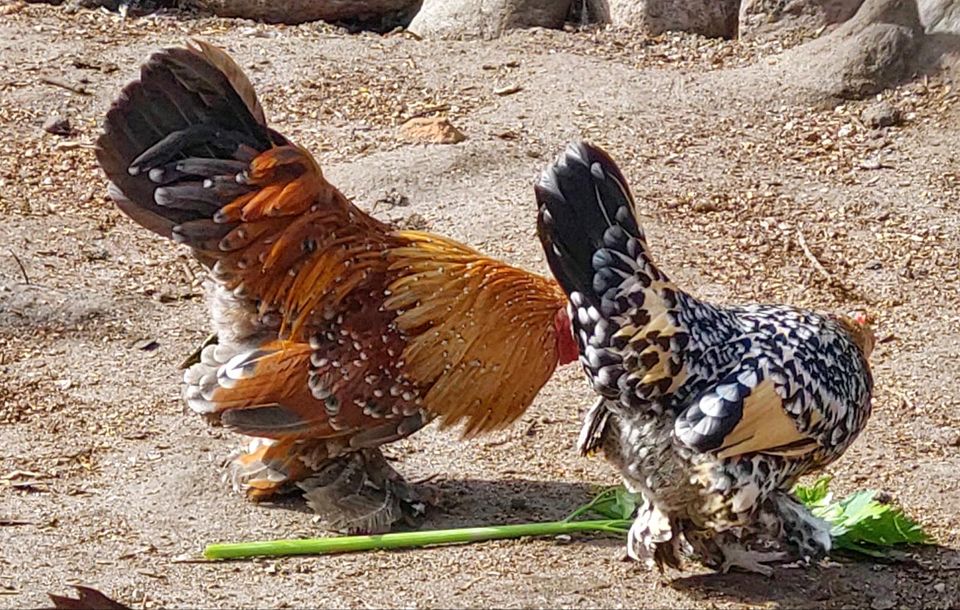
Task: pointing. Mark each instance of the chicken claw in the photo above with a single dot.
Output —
(735, 556)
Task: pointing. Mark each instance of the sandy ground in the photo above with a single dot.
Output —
(104, 481)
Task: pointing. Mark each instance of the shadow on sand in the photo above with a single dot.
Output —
(477, 502)
(926, 577)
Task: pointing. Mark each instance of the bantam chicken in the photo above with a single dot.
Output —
(336, 334)
(711, 413)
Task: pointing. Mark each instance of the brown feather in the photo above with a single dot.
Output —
(379, 331)
(765, 427)
(274, 400)
(480, 335)
(266, 253)
(234, 74)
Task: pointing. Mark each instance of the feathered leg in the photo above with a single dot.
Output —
(807, 534)
(784, 519)
(356, 493)
(360, 493)
(651, 537)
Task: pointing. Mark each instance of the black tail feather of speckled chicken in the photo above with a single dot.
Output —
(171, 140)
(586, 216)
(623, 306)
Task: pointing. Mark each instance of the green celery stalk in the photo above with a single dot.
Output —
(859, 524)
(349, 544)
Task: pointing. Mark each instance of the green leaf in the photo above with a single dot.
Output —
(815, 495)
(612, 503)
(880, 524)
(860, 523)
(621, 505)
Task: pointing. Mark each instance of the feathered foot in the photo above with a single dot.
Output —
(264, 469)
(360, 493)
(723, 551)
(651, 539)
(808, 534)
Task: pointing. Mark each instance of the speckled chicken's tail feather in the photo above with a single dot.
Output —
(598, 253)
(585, 222)
(594, 430)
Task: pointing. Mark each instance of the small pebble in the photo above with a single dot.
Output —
(58, 126)
(880, 115)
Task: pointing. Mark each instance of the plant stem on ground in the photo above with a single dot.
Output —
(860, 524)
(346, 544)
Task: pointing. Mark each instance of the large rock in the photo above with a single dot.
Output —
(485, 18)
(301, 11)
(872, 51)
(941, 48)
(715, 18)
(769, 16)
(940, 16)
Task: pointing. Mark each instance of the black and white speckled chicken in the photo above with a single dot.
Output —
(711, 413)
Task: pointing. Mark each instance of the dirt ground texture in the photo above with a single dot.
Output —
(740, 181)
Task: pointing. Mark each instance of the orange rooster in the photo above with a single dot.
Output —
(336, 333)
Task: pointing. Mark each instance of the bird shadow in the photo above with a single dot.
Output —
(925, 577)
(481, 502)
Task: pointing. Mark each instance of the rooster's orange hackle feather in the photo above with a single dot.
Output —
(481, 332)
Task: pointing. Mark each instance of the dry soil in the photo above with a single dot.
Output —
(741, 181)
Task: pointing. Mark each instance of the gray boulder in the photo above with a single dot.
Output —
(463, 19)
(715, 18)
(870, 52)
(302, 11)
(940, 16)
(770, 16)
